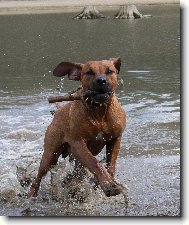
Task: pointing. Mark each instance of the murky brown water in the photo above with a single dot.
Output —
(149, 162)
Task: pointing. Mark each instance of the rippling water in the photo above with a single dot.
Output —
(149, 162)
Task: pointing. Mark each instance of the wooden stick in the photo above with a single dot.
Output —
(64, 98)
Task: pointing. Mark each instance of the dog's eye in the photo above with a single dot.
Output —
(109, 71)
(89, 72)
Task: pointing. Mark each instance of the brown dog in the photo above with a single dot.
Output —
(83, 127)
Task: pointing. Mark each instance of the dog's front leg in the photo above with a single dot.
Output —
(112, 151)
(81, 152)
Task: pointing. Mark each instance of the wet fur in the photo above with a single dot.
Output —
(82, 128)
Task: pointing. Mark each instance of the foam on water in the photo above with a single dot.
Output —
(138, 71)
(24, 134)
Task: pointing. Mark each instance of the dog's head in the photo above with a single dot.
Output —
(98, 78)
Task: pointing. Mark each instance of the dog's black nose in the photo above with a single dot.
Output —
(101, 81)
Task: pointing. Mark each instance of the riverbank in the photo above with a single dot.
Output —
(44, 6)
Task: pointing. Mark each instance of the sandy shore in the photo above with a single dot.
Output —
(43, 6)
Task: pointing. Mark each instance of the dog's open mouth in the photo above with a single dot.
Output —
(101, 97)
(97, 97)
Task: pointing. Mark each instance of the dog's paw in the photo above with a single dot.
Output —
(112, 188)
(32, 192)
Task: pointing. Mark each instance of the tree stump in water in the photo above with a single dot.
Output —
(129, 13)
(121, 14)
(89, 12)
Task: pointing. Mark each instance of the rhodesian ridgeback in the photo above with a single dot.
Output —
(82, 128)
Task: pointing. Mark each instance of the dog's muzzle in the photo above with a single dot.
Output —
(100, 90)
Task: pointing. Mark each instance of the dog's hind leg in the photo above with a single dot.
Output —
(52, 151)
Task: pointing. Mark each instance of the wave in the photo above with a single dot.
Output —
(24, 134)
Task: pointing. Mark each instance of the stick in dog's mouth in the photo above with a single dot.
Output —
(94, 97)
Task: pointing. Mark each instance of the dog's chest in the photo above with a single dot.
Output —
(97, 141)
(100, 136)
(102, 131)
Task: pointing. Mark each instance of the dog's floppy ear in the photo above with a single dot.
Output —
(117, 63)
(73, 70)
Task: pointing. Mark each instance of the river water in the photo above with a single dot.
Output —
(149, 162)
